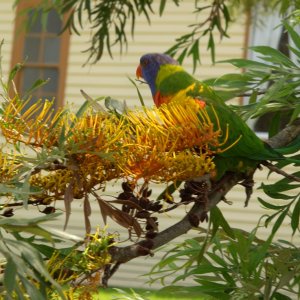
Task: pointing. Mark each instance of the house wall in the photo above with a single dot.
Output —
(109, 78)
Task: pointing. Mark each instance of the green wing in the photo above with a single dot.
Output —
(244, 150)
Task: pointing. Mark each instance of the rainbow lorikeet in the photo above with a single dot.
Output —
(169, 81)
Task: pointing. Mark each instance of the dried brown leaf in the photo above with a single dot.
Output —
(120, 217)
(68, 198)
(87, 212)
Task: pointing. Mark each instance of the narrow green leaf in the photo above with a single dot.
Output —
(219, 220)
(37, 84)
(218, 259)
(182, 55)
(273, 55)
(138, 92)
(82, 109)
(293, 147)
(269, 205)
(170, 189)
(279, 221)
(162, 6)
(10, 275)
(275, 124)
(293, 34)
(246, 63)
(62, 136)
(253, 97)
(32, 290)
(295, 217)
(14, 71)
(280, 296)
(35, 230)
(295, 114)
(211, 46)
(274, 191)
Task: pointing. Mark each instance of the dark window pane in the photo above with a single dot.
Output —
(34, 17)
(51, 50)
(52, 84)
(31, 49)
(54, 23)
(30, 75)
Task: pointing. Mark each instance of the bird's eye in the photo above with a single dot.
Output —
(145, 62)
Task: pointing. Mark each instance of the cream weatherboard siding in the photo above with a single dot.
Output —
(6, 33)
(109, 78)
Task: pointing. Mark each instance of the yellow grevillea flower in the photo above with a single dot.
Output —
(77, 263)
(8, 166)
(174, 142)
(28, 123)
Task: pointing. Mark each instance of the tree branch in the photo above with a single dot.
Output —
(144, 247)
(285, 136)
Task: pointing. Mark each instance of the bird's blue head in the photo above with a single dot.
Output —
(150, 65)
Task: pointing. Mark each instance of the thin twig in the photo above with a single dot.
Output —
(280, 171)
(109, 272)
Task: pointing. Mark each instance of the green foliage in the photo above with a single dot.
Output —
(229, 263)
(272, 84)
(106, 19)
(224, 262)
(26, 275)
(110, 22)
(244, 267)
(218, 19)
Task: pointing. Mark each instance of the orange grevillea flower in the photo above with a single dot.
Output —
(175, 141)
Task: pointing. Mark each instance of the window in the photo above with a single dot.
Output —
(44, 51)
(266, 29)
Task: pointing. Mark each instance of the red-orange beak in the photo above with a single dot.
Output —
(138, 72)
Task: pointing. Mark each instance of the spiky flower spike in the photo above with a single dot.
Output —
(175, 141)
(30, 123)
(9, 165)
